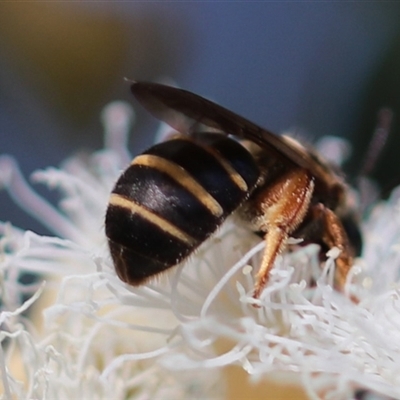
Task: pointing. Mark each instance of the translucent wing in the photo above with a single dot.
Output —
(186, 111)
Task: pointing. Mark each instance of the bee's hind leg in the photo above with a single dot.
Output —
(282, 206)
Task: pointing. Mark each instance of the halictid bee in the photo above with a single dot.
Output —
(177, 193)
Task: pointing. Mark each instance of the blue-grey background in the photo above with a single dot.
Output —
(320, 67)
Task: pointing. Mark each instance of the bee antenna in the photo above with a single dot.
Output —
(368, 190)
(378, 141)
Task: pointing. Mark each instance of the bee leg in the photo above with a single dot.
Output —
(334, 235)
(282, 206)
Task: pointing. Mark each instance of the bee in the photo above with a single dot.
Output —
(177, 193)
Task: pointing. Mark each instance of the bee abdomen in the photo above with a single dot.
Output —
(171, 199)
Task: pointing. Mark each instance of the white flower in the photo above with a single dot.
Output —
(172, 338)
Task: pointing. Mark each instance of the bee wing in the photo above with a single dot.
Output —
(186, 111)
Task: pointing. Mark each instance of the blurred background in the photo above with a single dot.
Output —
(324, 68)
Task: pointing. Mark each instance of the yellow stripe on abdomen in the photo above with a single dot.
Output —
(122, 202)
(181, 176)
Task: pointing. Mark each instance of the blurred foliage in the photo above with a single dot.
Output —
(74, 57)
(70, 57)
